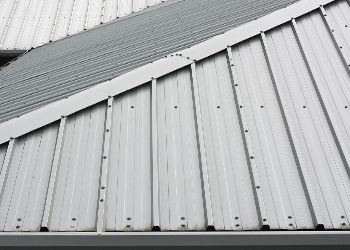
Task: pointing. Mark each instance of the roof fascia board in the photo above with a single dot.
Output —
(54, 111)
(144, 239)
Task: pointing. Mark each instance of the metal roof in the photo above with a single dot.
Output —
(32, 23)
(250, 136)
(68, 66)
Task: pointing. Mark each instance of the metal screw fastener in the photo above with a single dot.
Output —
(290, 217)
(237, 225)
(183, 218)
(183, 225)
(236, 218)
(218, 107)
(74, 219)
(19, 219)
(258, 187)
(103, 187)
(129, 218)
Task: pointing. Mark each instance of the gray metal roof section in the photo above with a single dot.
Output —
(65, 67)
(253, 137)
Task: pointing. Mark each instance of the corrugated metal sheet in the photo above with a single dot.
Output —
(128, 189)
(25, 180)
(65, 67)
(28, 24)
(75, 199)
(253, 137)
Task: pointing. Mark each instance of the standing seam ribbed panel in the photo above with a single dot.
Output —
(129, 178)
(230, 185)
(76, 194)
(180, 194)
(23, 198)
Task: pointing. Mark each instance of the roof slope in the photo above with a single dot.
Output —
(26, 24)
(252, 137)
(68, 66)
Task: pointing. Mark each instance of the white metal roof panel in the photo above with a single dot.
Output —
(25, 180)
(250, 138)
(27, 24)
(128, 184)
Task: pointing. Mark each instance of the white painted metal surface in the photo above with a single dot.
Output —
(251, 137)
(26, 180)
(32, 23)
(53, 111)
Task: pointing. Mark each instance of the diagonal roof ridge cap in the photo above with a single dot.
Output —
(144, 74)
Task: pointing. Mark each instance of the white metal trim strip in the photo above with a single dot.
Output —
(52, 112)
(155, 173)
(52, 183)
(104, 168)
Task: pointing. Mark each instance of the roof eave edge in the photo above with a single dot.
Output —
(54, 111)
(332, 239)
